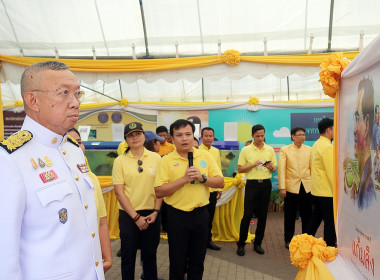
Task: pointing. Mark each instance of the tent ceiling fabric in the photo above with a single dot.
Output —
(73, 27)
(109, 28)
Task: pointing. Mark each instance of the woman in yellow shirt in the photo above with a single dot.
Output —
(133, 177)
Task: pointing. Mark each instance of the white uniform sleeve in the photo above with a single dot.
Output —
(12, 206)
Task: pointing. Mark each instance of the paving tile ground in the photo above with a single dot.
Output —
(225, 264)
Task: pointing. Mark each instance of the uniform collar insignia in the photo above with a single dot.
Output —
(17, 140)
(72, 140)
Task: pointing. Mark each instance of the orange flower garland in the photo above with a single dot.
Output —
(331, 73)
(232, 57)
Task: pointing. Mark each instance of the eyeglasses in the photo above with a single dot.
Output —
(66, 95)
(357, 117)
(139, 163)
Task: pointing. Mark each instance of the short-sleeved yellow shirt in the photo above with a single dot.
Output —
(189, 196)
(166, 148)
(250, 154)
(99, 201)
(138, 187)
(216, 154)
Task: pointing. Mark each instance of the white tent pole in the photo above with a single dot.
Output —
(93, 53)
(56, 53)
(219, 48)
(176, 50)
(305, 34)
(265, 46)
(200, 27)
(310, 51)
(101, 27)
(134, 51)
(361, 40)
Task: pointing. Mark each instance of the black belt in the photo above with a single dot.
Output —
(259, 181)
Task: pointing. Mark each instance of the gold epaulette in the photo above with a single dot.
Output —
(72, 140)
(17, 140)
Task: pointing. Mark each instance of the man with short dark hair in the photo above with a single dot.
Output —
(363, 129)
(165, 147)
(49, 227)
(294, 180)
(258, 162)
(322, 175)
(183, 180)
(208, 137)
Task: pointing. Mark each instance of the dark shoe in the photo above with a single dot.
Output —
(211, 245)
(258, 249)
(287, 245)
(118, 253)
(240, 251)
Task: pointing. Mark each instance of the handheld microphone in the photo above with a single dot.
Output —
(190, 158)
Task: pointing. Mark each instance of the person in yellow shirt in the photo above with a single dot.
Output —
(133, 177)
(322, 177)
(165, 147)
(294, 180)
(258, 161)
(183, 180)
(207, 137)
(105, 242)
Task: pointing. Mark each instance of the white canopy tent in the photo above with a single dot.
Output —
(128, 29)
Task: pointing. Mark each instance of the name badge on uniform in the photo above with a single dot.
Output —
(48, 176)
(62, 215)
(83, 168)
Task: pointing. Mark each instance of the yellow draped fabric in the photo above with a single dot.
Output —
(123, 65)
(309, 255)
(226, 223)
(112, 214)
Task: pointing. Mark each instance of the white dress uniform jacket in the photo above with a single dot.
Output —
(48, 216)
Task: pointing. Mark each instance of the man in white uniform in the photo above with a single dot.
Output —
(47, 208)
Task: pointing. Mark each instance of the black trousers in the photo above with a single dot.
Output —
(132, 239)
(257, 195)
(211, 210)
(293, 202)
(323, 210)
(163, 215)
(187, 236)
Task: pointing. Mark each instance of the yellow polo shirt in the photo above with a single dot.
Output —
(166, 148)
(99, 201)
(122, 147)
(216, 154)
(322, 173)
(294, 167)
(250, 154)
(138, 187)
(189, 196)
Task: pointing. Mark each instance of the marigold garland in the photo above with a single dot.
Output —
(123, 102)
(331, 73)
(253, 101)
(232, 57)
(304, 247)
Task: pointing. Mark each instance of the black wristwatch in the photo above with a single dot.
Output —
(204, 179)
(157, 211)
